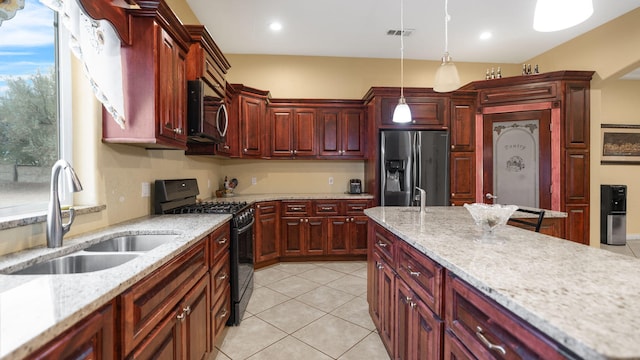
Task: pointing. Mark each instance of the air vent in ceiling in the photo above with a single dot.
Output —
(398, 32)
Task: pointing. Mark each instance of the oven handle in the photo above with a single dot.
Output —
(247, 227)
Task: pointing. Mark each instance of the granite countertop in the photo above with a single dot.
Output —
(585, 298)
(252, 198)
(34, 309)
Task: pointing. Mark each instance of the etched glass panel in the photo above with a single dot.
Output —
(516, 162)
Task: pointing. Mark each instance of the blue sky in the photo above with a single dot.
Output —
(26, 42)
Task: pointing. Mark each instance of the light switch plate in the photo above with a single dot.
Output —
(330, 180)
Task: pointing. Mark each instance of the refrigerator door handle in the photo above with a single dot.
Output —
(417, 171)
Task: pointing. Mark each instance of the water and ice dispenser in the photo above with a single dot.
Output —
(613, 214)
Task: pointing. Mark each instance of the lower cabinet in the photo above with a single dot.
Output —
(267, 231)
(93, 338)
(423, 311)
(182, 334)
(418, 329)
(334, 229)
(303, 236)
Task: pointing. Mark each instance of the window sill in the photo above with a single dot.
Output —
(10, 222)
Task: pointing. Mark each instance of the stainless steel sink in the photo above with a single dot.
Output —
(77, 263)
(140, 242)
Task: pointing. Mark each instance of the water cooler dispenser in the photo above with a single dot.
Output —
(613, 214)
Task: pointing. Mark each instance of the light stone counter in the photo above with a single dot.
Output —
(252, 198)
(34, 309)
(585, 298)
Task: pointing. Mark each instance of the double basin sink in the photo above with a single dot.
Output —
(106, 254)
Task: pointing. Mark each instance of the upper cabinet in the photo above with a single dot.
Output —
(293, 131)
(247, 131)
(341, 132)
(155, 87)
(429, 109)
(205, 60)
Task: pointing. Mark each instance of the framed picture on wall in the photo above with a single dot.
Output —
(620, 144)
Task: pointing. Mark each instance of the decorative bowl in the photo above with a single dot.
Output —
(489, 216)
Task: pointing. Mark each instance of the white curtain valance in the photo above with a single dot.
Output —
(8, 9)
(97, 45)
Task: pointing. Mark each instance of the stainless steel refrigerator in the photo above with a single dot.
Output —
(411, 159)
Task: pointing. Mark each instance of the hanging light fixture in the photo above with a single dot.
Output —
(447, 78)
(554, 15)
(402, 113)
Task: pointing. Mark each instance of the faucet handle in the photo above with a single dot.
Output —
(72, 216)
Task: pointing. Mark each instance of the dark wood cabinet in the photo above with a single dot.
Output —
(418, 329)
(92, 338)
(304, 236)
(462, 167)
(154, 81)
(454, 350)
(490, 331)
(161, 299)
(267, 232)
(564, 95)
(219, 286)
(462, 171)
(341, 133)
(428, 109)
(293, 132)
(247, 129)
(423, 311)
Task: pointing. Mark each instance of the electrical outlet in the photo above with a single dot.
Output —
(146, 189)
(208, 183)
(330, 180)
(254, 180)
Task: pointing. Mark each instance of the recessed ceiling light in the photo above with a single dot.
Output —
(486, 35)
(275, 26)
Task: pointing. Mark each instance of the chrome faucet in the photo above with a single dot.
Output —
(423, 200)
(55, 228)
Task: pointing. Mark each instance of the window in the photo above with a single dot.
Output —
(33, 82)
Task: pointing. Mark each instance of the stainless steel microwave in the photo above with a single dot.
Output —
(207, 117)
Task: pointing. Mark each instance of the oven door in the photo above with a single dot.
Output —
(245, 253)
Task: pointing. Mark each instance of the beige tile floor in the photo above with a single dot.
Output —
(632, 248)
(310, 310)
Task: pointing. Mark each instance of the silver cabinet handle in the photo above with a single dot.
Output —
(223, 241)
(357, 208)
(379, 265)
(187, 310)
(490, 196)
(223, 314)
(411, 272)
(181, 316)
(326, 208)
(245, 150)
(223, 276)
(488, 343)
(382, 245)
(296, 208)
(226, 147)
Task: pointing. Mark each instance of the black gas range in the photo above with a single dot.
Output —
(178, 196)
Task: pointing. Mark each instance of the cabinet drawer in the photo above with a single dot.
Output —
(326, 207)
(422, 274)
(383, 244)
(296, 208)
(219, 242)
(267, 207)
(146, 303)
(220, 277)
(355, 207)
(221, 311)
(488, 330)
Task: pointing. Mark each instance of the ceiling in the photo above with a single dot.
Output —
(358, 28)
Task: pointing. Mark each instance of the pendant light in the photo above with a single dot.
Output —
(402, 113)
(554, 15)
(447, 78)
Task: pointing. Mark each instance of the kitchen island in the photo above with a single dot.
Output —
(585, 299)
